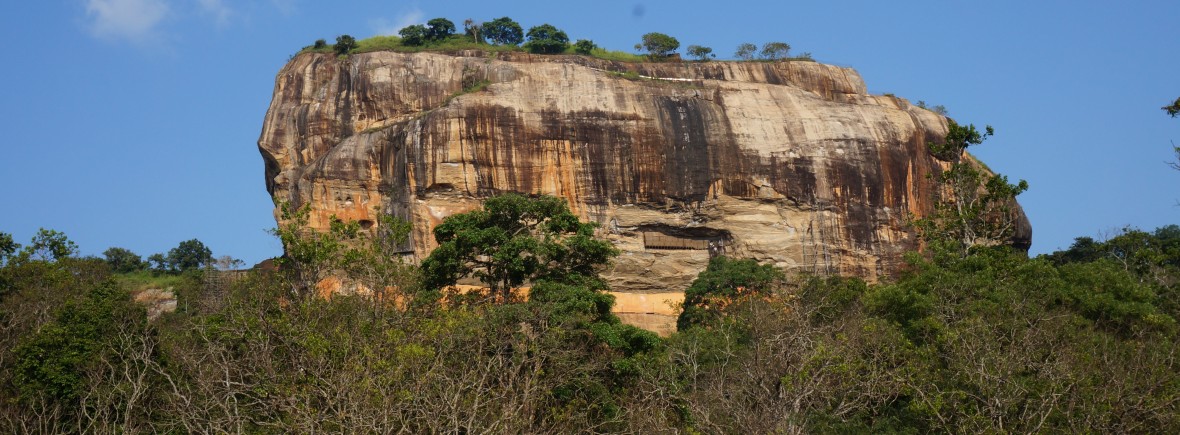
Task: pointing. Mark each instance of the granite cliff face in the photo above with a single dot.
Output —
(791, 163)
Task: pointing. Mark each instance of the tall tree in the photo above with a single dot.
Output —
(974, 207)
(514, 240)
(473, 30)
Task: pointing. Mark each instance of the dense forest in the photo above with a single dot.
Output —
(982, 340)
(971, 336)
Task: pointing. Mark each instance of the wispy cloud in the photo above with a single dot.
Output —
(220, 12)
(132, 20)
(409, 18)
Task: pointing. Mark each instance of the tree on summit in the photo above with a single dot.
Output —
(503, 31)
(546, 39)
(659, 44)
(775, 50)
(439, 29)
(345, 44)
(414, 35)
(700, 52)
(745, 51)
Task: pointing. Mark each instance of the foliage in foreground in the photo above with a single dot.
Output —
(1083, 340)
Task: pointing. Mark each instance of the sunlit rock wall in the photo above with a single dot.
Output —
(790, 163)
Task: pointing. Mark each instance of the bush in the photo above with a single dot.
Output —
(319, 44)
(584, 46)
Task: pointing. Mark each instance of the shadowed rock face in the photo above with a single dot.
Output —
(791, 163)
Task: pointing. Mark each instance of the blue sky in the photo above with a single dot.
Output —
(134, 123)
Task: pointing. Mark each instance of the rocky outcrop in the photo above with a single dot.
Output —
(791, 163)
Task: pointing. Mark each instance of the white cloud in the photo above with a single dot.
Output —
(133, 20)
(414, 16)
(220, 12)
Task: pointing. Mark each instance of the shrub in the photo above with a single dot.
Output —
(584, 46)
(320, 43)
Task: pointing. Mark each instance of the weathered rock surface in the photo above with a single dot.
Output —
(791, 163)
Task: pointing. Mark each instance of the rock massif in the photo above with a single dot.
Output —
(791, 163)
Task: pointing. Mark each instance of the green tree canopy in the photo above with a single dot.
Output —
(973, 206)
(700, 52)
(503, 31)
(414, 35)
(8, 246)
(722, 282)
(123, 260)
(439, 29)
(546, 39)
(745, 51)
(189, 255)
(584, 46)
(659, 44)
(775, 50)
(345, 44)
(48, 245)
(514, 240)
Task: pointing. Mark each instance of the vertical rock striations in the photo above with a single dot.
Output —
(791, 163)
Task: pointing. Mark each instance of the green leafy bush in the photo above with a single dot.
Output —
(584, 47)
